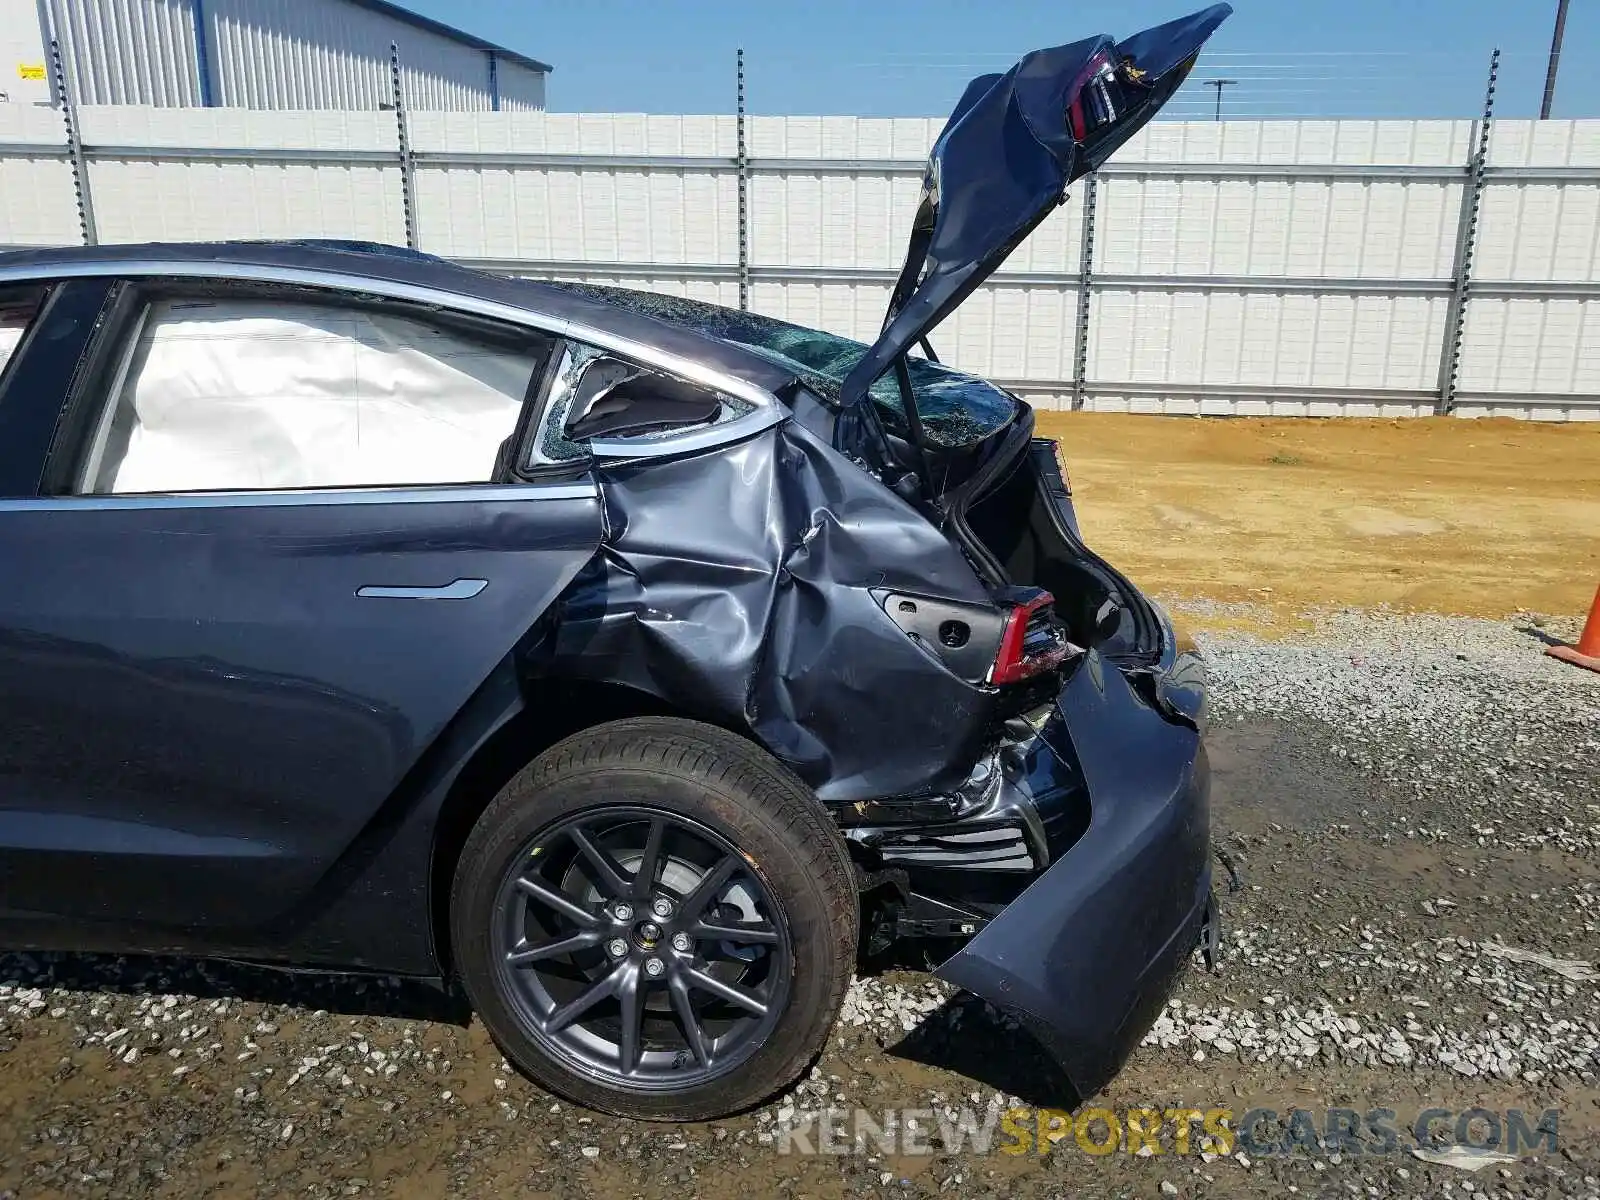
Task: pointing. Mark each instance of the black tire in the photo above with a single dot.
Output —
(717, 782)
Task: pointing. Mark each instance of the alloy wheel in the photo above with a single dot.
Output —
(639, 947)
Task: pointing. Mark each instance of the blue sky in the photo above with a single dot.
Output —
(1398, 58)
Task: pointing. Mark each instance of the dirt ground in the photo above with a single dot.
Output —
(171, 1079)
(1476, 518)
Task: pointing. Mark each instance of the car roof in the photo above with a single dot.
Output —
(395, 264)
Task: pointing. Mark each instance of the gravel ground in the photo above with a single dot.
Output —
(1411, 804)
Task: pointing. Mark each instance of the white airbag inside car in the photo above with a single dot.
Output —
(263, 395)
(10, 335)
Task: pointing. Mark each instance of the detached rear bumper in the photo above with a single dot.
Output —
(1090, 952)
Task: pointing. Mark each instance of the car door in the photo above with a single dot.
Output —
(269, 556)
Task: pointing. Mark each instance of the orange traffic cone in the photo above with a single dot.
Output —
(1587, 652)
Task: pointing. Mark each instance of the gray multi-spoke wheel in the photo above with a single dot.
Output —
(637, 947)
(656, 919)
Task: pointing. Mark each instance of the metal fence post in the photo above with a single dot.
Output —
(408, 182)
(80, 164)
(744, 196)
(1080, 357)
(1455, 322)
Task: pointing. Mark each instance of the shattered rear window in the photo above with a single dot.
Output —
(957, 409)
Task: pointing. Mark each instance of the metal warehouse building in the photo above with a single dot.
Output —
(281, 54)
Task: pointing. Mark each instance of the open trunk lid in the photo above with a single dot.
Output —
(1005, 158)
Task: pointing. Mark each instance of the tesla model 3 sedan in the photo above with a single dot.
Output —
(625, 661)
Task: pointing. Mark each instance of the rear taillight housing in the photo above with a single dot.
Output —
(1033, 642)
(1093, 103)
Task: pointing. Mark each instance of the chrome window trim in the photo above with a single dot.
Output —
(663, 444)
(453, 493)
(768, 411)
(700, 438)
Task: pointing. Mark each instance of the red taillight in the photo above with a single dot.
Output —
(1090, 108)
(1033, 642)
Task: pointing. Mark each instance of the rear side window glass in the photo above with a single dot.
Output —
(644, 408)
(18, 307)
(551, 443)
(957, 409)
(255, 394)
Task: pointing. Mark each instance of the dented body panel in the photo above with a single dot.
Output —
(1088, 954)
(741, 583)
(865, 565)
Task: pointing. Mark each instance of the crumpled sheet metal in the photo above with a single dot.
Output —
(1086, 956)
(1002, 164)
(739, 580)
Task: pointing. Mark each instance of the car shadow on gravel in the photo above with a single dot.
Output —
(972, 1039)
(969, 1036)
(218, 979)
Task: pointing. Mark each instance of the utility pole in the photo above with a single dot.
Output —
(1219, 84)
(1555, 61)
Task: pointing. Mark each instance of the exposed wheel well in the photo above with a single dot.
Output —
(563, 709)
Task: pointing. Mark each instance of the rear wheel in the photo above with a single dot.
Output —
(655, 919)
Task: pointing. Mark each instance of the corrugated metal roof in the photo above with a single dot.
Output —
(449, 31)
(519, 88)
(302, 54)
(122, 52)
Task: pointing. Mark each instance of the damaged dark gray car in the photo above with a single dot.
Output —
(629, 660)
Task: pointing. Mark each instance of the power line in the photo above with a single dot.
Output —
(1286, 58)
(1300, 84)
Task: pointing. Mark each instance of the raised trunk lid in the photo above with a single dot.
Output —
(1004, 159)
